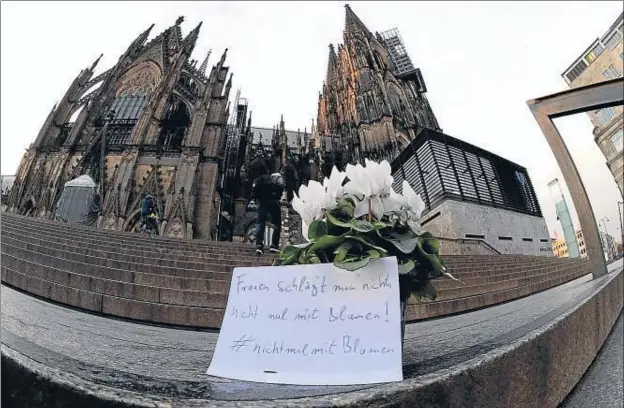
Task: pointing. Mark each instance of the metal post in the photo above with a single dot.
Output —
(590, 97)
(621, 220)
(593, 243)
(605, 242)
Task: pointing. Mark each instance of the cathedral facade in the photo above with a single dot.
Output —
(152, 124)
(370, 106)
(158, 124)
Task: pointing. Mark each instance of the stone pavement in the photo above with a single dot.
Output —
(169, 364)
(603, 383)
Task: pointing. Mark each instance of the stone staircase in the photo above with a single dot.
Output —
(186, 282)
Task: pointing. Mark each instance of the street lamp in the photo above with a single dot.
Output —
(621, 219)
(605, 245)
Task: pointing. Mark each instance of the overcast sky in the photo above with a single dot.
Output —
(481, 62)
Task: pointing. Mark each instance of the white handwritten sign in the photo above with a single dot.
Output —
(312, 325)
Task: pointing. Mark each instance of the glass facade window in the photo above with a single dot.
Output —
(604, 116)
(617, 139)
(576, 71)
(611, 72)
(595, 53)
(613, 40)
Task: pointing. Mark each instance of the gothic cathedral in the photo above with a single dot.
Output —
(164, 124)
(166, 133)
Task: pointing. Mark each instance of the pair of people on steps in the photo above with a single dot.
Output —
(267, 191)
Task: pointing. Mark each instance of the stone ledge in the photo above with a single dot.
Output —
(528, 353)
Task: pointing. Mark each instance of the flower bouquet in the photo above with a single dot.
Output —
(349, 224)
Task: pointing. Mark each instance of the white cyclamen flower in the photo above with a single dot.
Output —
(412, 200)
(414, 205)
(310, 203)
(333, 187)
(372, 188)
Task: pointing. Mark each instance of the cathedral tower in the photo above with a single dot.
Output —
(368, 107)
(162, 121)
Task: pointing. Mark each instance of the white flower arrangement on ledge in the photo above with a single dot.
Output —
(351, 224)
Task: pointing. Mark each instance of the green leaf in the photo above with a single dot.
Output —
(367, 242)
(335, 221)
(406, 267)
(448, 275)
(430, 244)
(327, 241)
(345, 207)
(289, 260)
(433, 261)
(314, 260)
(353, 265)
(378, 225)
(405, 243)
(361, 225)
(374, 254)
(288, 255)
(341, 251)
(317, 229)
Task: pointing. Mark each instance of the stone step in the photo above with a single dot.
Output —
(114, 306)
(219, 282)
(80, 263)
(211, 317)
(456, 263)
(182, 243)
(460, 305)
(153, 244)
(91, 278)
(114, 264)
(465, 360)
(145, 261)
(129, 241)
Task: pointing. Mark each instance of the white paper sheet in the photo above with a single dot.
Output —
(312, 325)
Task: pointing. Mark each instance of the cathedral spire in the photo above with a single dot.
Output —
(353, 24)
(96, 62)
(204, 64)
(143, 36)
(191, 38)
(222, 61)
(331, 63)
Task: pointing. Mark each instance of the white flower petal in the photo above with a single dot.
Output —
(385, 168)
(377, 208)
(304, 230)
(361, 208)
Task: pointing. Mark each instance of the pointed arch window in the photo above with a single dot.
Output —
(175, 124)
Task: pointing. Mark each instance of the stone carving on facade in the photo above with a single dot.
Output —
(143, 81)
(111, 222)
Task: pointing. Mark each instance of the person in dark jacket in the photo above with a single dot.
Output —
(148, 207)
(267, 191)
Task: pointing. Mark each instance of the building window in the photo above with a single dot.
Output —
(611, 72)
(604, 116)
(595, 53)
(617, 139)
(613, 40)
(576, 71)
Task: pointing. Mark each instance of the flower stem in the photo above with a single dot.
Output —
(370, 211)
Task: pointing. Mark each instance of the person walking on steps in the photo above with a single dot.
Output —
(148, 208)
(267, 191)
